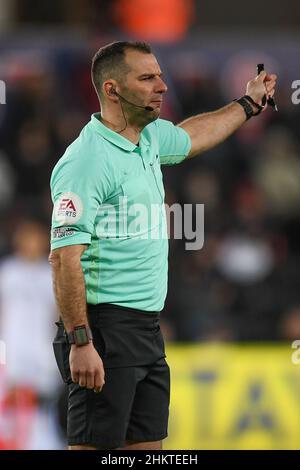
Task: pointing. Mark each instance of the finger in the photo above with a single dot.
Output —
(98, 389)
(82, 379)
(271, 94)
(99, 380)
(90, 382)
(270, 82)
(270, 87)
(271, 77)
(261, 77)
(75, 377)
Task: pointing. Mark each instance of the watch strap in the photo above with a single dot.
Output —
(80, 335)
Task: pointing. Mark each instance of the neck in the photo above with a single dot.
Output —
(116, 122)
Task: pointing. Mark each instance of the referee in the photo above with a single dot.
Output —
(110, 267)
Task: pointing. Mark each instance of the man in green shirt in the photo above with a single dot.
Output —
(109, 247)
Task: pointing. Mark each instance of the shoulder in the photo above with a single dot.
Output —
(159, 124)
(158, 130)
(166, 132)
(86, 155)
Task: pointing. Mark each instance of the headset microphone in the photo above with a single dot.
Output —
(147, 108)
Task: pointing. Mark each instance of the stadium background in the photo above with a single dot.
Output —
(233, 308)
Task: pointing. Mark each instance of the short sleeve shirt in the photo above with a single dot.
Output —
(108, 194)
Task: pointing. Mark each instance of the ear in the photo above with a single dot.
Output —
(109, 89)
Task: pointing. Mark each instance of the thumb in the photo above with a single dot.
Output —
(261, 77)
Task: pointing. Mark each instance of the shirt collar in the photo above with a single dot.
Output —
(113, 136)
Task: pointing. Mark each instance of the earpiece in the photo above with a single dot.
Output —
(112, 91)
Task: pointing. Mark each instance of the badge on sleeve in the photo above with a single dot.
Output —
(68, 208)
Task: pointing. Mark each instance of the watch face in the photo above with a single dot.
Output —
(81, 336)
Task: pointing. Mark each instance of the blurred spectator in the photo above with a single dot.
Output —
(199, 299)
(289, 327)
(68, 127)
(7, 10)
(245, 259)
(277, 172)
(202, 186)
(155, 20)
(7, 182)
(33, 159)
(27, 315)
(74, 13)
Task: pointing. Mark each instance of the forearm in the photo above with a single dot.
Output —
(69, 290)
(210, 129)
(86, 365)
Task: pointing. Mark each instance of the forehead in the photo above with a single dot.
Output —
(141, 63)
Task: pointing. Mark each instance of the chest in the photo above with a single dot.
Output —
(136, 206)
(139, 179)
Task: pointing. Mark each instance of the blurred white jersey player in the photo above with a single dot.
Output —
(27, 316)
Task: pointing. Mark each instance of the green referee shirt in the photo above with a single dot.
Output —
(108, 194)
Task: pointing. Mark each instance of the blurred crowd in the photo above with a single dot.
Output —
(243, 285)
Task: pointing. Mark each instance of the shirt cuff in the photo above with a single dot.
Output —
(65, 238)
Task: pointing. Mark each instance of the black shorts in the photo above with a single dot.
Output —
(134, 402)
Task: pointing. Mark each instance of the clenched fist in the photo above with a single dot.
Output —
(261, 85)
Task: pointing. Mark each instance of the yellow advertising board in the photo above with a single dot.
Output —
(233, 397)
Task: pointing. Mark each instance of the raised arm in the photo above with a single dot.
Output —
(209, 129)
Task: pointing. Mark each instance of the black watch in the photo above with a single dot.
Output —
(81, 335)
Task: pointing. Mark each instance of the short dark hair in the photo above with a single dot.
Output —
(109, 61)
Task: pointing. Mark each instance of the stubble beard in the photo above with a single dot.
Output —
(141, 118)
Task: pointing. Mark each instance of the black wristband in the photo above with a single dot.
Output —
(246, 107)
(245, 101)
(258, 106)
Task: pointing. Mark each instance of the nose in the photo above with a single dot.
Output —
(161, 86)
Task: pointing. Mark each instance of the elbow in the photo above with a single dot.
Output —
(67, 256)
(54, 259)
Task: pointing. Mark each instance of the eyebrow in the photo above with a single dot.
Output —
(150, 75)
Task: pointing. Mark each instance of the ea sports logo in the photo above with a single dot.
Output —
(68, 208)
(67, 204)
